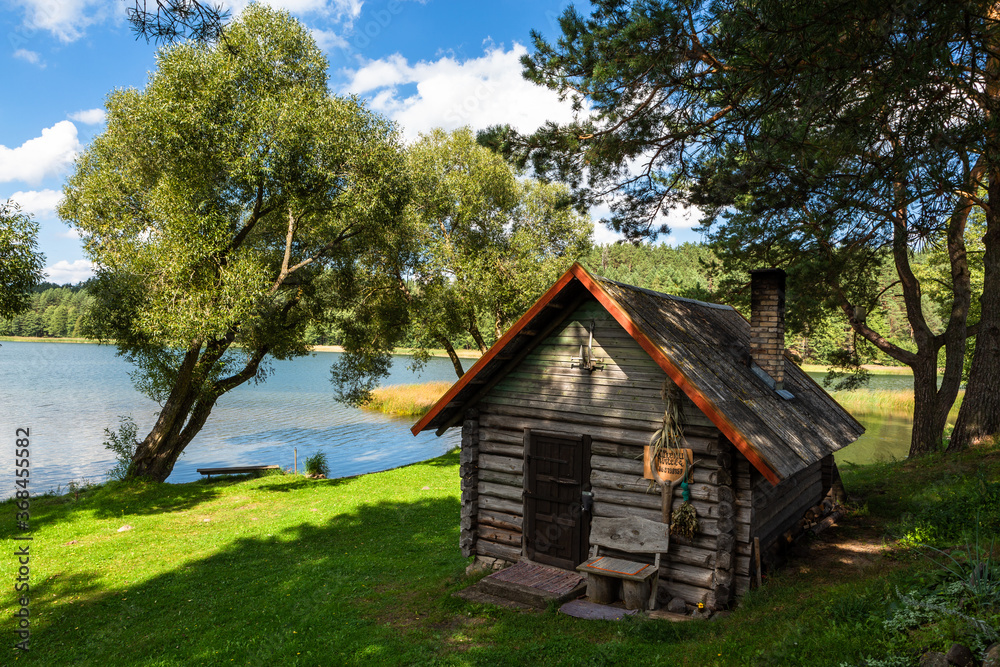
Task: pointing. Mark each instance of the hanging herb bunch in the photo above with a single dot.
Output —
(671, 435)
(665, 442)
(684, 521)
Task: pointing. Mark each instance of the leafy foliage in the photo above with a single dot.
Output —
(122, 443)
(21, 268)
(229, 204)
(173, 20)
(832, 143)
(317, 464)
(55, 312)
(486, 243)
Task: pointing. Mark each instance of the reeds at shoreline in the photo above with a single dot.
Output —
(886, 402)
(407, 400)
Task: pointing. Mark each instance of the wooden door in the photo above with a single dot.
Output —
(556, 473)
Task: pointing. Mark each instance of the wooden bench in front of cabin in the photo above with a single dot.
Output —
(639, 581)
(237, 470)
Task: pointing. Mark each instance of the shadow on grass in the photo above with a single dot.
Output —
(110, 499)
(311, 594)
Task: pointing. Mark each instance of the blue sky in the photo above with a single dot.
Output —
(425, 64)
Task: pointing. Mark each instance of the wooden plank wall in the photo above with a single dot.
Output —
(777, 508)
(620, 407)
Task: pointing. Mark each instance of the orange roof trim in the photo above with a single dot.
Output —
(577, 272)
(496, 349)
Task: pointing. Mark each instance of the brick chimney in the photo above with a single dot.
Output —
(767, 323)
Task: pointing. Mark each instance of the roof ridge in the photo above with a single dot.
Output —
(672, 297)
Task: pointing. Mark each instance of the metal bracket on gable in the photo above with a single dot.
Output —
(586, 359)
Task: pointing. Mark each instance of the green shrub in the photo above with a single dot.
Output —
(317, 465)
(123, 444)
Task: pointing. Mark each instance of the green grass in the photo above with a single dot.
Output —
(288, 571)
(407, 400)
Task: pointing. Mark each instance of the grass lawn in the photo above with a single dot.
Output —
(280, 570)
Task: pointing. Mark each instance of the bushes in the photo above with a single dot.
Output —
(122, 443)
(317, 465)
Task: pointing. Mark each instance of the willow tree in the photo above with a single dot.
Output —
(828, 138)
(487, 242)
(226, 206)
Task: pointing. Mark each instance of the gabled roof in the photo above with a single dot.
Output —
(704, 348)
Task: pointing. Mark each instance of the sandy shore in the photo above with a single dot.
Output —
(462, 354)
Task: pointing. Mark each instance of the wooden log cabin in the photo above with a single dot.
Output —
(556, 415)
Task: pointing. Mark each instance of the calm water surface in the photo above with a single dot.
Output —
(68, 393)
(886, 437)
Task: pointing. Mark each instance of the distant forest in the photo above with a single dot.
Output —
(55, 312)
(688, 270)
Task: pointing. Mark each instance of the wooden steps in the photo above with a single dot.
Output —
(533, 584)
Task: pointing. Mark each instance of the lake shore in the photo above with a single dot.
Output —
(872, 368)
(399, 351)
(404, 351)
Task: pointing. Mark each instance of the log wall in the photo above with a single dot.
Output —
(620, 407)
(776, 509)
(468, 470)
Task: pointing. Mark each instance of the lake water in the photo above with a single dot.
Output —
(68, 393)
(886, 437)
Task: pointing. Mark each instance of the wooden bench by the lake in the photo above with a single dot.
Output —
(236, 470)
(639, 580)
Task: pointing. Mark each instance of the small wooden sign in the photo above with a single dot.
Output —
(671, 462)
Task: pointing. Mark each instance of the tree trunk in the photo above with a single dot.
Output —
(476, 334)
(156, 455)
(187, 408)
(979, 416)
(455, 361)
(930, 408)
(930, 403)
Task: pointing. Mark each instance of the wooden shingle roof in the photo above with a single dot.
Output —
(704, 348)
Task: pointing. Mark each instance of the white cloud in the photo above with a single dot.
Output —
(63, 272)
(339, 10)
(683, 217)
(39, 203)
(479, 92)
(67, 19)
(603, 235)
(680, 220)
(88, 116)
(328, 40)
(42, 156)
(29, 56)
